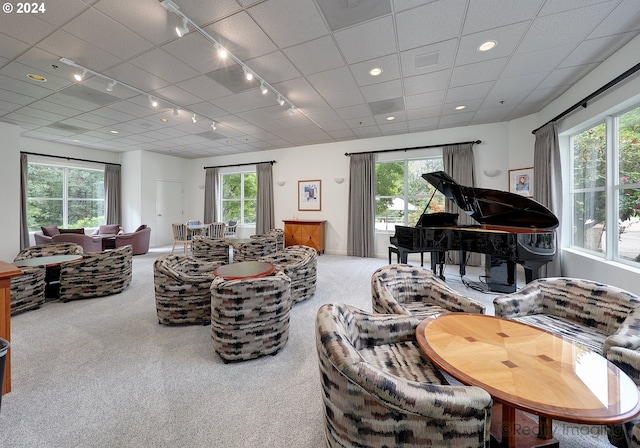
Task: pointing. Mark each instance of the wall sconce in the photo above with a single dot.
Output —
(339, 180)
(491, 173)
(281, 182)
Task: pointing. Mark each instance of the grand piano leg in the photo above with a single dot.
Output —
(437, 263)
(501, 274)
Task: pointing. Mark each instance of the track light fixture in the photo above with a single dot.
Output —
(292, 110)
(80, 76)
(175, 111)
(170, 6)
(213, 126)
(153, 101)
(193, 119)
(184, 29)
(110, 86)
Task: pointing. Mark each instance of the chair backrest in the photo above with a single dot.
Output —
(216, 230)
(210, 249)
(88, 243)
(179, 231)
(49, 249)
(255, 249)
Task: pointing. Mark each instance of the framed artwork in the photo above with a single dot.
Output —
(309, 195)
(521, 181)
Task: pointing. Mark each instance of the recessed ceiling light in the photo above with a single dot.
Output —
(164, 120)
(113, 131)
(391, 118)
(375, 71)
(460, 107)
(488, 45)
(37, 77)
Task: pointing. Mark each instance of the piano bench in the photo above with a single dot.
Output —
(401, 254)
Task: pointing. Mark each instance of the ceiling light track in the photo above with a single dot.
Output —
(154, 100)
(172, 7)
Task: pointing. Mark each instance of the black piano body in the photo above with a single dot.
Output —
(513, 230)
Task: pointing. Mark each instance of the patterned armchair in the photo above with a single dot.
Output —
(300, 265)
(250, 317)
(592, 314)
(182, 287)
(97, 274)
(27, 290)
(278, 234)
(207, 249)
(628, 434)
(255, 249)
(378, 389)
(412, 290)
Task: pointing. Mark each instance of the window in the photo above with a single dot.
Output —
(402, 193)
(239, 195)
(65, 196)
(605, 187)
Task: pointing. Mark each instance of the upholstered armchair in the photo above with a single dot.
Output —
(379, 390)
(88, 243)
(255, 249)
(300, 265)
(413, 290)
(278, 234)
(628, 434)
(593, 314)
(108, 230)
(207, 249)
(139, 240)
(182, 287)
(250, 317)
(97, 274)
(28, 289)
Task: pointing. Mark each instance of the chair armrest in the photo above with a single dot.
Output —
(453, 301)
(392, 328)
(626, 360)
(524, 302)
(628, 335)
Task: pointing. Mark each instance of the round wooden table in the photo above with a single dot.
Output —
(527, 368)
(244, 269)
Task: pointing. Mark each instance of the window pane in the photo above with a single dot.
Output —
(85, 213)
(389, 212)
(231, 186)
(250, 186)
(588, 220)
(629, 146)
(231, 210)
(43, 213)
(250, 211)
(45, 181)
(85, 184)
(589, 153)
(389, 178)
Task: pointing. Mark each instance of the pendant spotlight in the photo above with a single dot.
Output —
(181, 31)
(193, 119)
(263, 88)
(110, 86)
(80, 76)
(153, 101)
(213, 126)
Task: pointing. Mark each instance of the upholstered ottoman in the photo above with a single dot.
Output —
(250, 317)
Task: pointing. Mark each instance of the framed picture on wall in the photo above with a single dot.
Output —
(309, 195)
(521, 181)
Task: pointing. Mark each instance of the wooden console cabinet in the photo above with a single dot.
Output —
(305, 232)
(6, 272)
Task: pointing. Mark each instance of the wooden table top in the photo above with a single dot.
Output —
(50, 260)
(529, 368)
(244, 269)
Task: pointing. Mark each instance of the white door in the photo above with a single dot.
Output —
(168, 210)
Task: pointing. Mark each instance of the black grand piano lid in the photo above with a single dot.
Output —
(494, 207)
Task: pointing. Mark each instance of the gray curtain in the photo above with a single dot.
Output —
(211, 191)
(112, 194)
(24, 227)
(362, 195)
(459, 164)
(547, 183)
(264, 205)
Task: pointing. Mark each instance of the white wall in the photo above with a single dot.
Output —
(10, 182)
(132, 190)
(327, 161)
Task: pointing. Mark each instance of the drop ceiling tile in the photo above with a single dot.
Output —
(274, 67)
(430, 82)
(478, 72)
(31, 111)
(305, 56)
(14, 97)
(197, 52)
(507, 38)
(29, 89)
(566, 76)
(11, 48)
(428, 24)
(536, 61)
(489, 14)
(130, 74)
(340, 14)
(367, 41)
(164, 65)
(20, 71)
(625, 17)
(333, 81)
(424, 113)
(382, 91)
(45, 64)
(470, 92)
(28, 28)
(252, 42)
(102, 31)
(594, 50)
(177, 96)
(358, 111)
(494, 115)
(367, 131)
(289, 22)
(470, 106)
(425, 100)
(389, 64)
(65, 45)
(568, 5)
(146, 17)
(204, 88)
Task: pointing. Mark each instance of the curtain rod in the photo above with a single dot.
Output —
(583, 102)
(67, 158)
(415, 147)
(240, 164)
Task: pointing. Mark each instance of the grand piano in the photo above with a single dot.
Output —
(512, 230)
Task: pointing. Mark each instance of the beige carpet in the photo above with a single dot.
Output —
(103, 373)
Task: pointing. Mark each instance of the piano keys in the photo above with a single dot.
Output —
(512, 230)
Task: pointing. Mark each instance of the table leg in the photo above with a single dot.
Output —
(512, 428)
